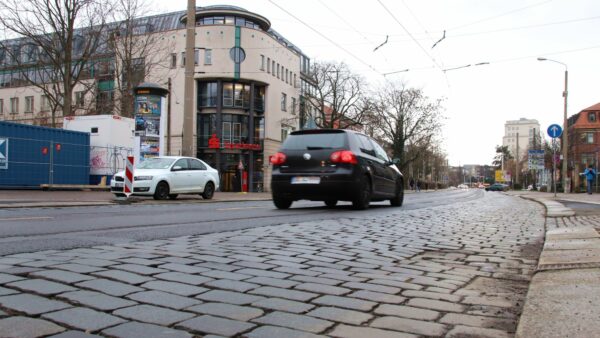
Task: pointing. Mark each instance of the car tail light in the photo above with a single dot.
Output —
(343, 156)
(278, 159)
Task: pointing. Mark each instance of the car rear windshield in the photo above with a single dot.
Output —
(315, 141)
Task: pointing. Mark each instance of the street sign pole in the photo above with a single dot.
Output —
(554, 165)
(554, 131)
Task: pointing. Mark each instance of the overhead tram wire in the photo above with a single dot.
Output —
(326, 38)
(502, 14)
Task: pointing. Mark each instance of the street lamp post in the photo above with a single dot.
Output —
(565, 135)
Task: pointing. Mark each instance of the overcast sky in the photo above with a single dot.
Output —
(507, 34)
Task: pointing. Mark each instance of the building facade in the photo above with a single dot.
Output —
(249, 82)
(584, 143)
(521, 135)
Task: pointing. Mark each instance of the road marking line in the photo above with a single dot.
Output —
(25, 218)
(241, 208)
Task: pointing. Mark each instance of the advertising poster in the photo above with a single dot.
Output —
(536, 159)
(147, 124)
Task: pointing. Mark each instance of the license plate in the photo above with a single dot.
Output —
(306, 180)
(118, 185)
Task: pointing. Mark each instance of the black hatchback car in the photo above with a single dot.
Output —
(334, 165)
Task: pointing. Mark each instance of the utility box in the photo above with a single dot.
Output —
(111, 141)
(32, 155)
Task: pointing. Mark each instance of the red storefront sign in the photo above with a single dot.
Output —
(214, 143)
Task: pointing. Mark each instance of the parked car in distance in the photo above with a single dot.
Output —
(168, 176)
(497, 187)
(332, 165)
(463, 186)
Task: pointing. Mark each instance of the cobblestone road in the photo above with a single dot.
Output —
(456, 271)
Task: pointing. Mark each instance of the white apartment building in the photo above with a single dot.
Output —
(519, 136)
(248, 89)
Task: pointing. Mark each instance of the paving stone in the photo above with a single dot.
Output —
(153, 314)
(436, 305)
(96, 300)
(322, 289)
(185, 278)
(109, 287)
(216, 325)
(62, 276)
(254, 265)
(178, 260)
(230, 297)
(40, 263)
(23, 327)
(406, 312)
(5, 291)
(396, 283)
(294, 321)
(225, 275)
(468, 331)
(140, 261)
(319, 280)
(283, 305)
(84, 319)
(346, 331)
(431, 295)
(342, 278)
(236, 312)
(216, 266)
(31, 305)
(377, 297)
(6, 278)
(288, 264)
(479, 321)
(489, 300)
(20, 270)
(263, 273)
(78, 268)
(173, 287)
(143, 330)
(94, 262)
(410, 326)
(372, 287)
(232, 285)
(75, 334)
(296, 271)
(183, 268)
(165, 299)
(41, 286)
(275, 282)
(209, 258)
(139, 269)
(278, 332)
(344, 302)
(123, 276)
(340, 315)
(270, 291)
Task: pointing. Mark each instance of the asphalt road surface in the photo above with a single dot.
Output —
(35, 229)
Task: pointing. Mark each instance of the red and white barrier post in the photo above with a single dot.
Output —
(128, 189)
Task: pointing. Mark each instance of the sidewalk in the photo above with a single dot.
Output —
(56, 198)
(564, 295)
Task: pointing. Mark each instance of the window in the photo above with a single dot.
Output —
(182, 59)
(94, 130)
(379, 152)
(79, 99)
(365, 145)
(293, 105)
(173, 60)
(592, 116)
(278, 71)
(14, 105)
(183, 163)
(269, 65)
(273, 67)
(1, 107)
(29, 104)
(587, 138)
(587, 159)
(208, 94)
(208, 56)
(45, 106)
(228, 94)
(196, 57)
(196, 165)
(294, 80)
(283, 101)
(262, 62)
(287, 76)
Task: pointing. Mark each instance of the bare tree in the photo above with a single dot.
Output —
(53, 44)
(409, 121)
(137, 49)
(338, 98)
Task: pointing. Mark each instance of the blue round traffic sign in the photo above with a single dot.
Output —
(554, 130)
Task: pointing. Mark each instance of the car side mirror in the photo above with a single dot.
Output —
(176, 168)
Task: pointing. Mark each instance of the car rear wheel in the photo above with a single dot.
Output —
(209, 191)
(363, 197)
(399, 198)
(162, 191)
(173, 196)
(282, 203)
(331, 203)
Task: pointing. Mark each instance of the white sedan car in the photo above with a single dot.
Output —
(167, 176)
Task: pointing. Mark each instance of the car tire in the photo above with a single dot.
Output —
(162, 191)
(399, 198)
(331, 203)
(173, 196)
(363, 198)
(209, 191)
(282, 203)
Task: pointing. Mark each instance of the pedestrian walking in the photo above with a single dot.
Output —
(411, 182)
(418, 185)
(589, 174)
